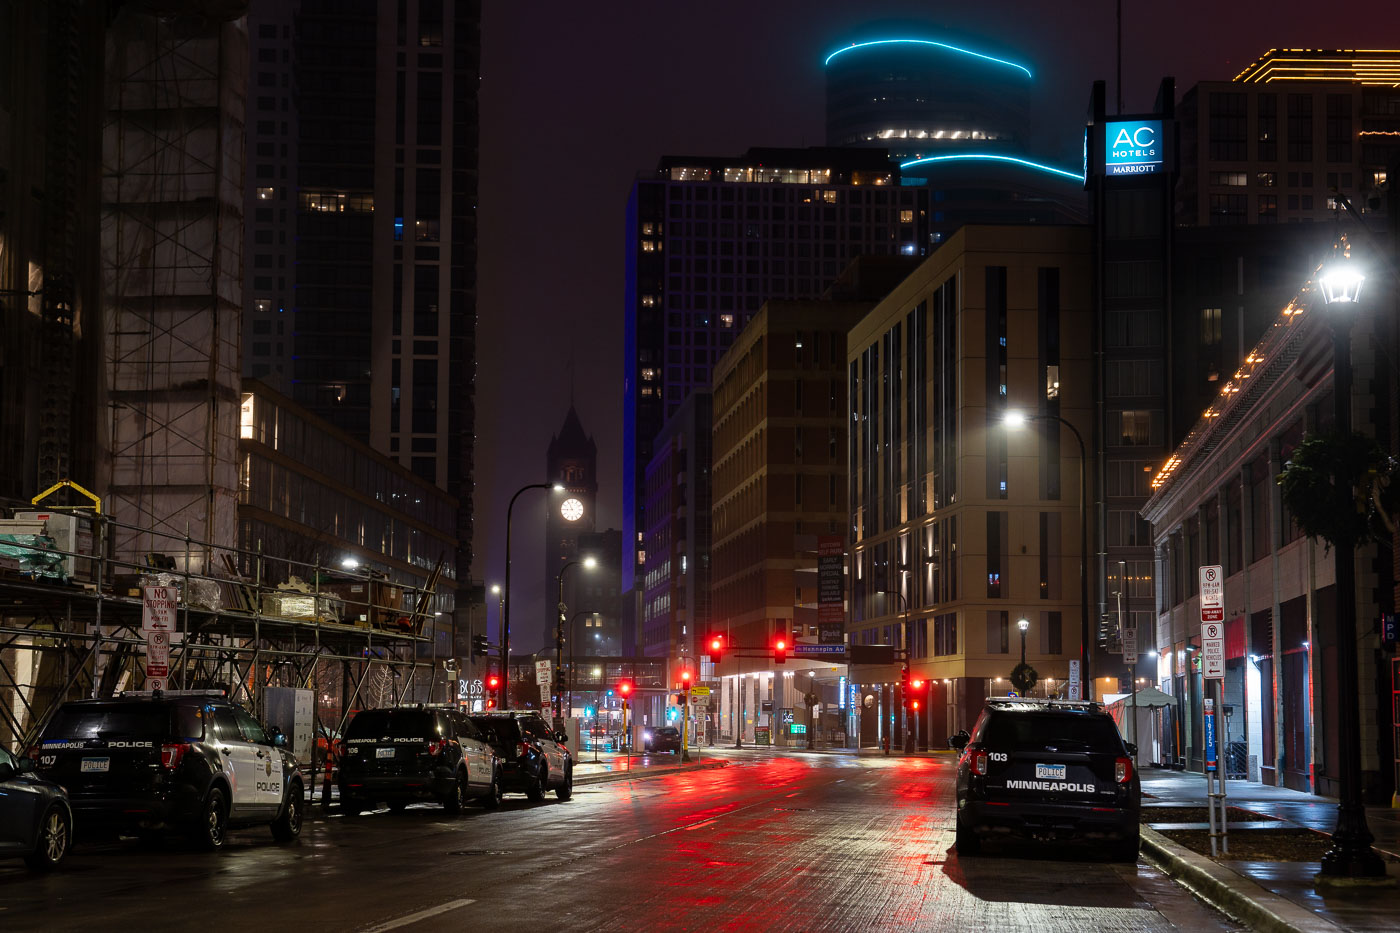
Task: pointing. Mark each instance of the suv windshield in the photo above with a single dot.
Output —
(98, 720)
(498, 730)
(398, 723)
(1034, 731)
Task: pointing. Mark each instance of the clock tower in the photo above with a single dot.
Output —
(572, 461)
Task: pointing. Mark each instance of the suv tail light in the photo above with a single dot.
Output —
(1123, 770)
(172, 754)
(979, 763)
(521, 750)
(436, 746)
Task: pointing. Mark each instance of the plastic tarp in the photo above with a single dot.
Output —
(37, 555)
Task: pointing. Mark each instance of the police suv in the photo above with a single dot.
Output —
(178, 759)
(402, 754)
(1047, 770)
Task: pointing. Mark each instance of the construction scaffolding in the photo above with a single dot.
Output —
(172, 240)
(71, 626)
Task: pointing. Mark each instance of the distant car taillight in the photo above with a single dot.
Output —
(172, 754)
(1123, 770)
(979, 763)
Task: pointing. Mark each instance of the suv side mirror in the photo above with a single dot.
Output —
(1132, 748)
(279, 738)
(958, 741)
(561, 737)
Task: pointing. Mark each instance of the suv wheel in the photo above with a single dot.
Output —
(492, 800)
(55, 835)
(452, 803)
(1126, 851)
(566, 790)
(966, 840)
(211, 827)
(536, 788)
(287, 826)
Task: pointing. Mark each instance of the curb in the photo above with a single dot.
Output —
(610, 777)
(1230, 892)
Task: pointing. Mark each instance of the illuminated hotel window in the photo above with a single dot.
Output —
(647, 229)
(906, 217)
(726, 320)
(650, 246)
(1266, 179)
(336, 202)
(829, 195)
(265, 194)
(649, 373)
(1052, 381)
(648, 301)
(262, 304)
(1230, 179)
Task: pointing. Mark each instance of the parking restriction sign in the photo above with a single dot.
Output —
(1212, 594)
(1213, 649)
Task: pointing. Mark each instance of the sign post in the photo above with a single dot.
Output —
(158, 607)
(1212, 581)
(1074, 686)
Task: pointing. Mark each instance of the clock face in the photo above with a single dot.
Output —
(572, 510)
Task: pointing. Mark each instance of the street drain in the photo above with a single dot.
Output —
(479, 852)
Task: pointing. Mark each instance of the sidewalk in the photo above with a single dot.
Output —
(1269, 893)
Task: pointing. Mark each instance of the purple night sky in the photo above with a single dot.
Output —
(576, 98)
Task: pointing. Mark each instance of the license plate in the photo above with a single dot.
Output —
(1050, 772)
(383, 753)
(91, 765)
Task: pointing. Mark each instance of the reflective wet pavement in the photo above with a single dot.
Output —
(772, 842)
(1351, 908)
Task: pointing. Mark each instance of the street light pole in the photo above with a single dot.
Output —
(588, 562)
(1351, 855)
(1014, 419)
(505, 595)
(1023, 624)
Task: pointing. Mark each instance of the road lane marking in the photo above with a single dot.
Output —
(420, 915)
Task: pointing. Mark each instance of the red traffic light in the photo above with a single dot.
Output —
(715, 646)
(916, 704)
(493, 682)
(624, 689)
(780, 647)
(685, 678)
(916, 684)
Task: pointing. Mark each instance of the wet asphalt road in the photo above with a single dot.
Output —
(773, 842)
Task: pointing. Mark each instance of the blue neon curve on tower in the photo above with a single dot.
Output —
(992, 157)
(932, 44)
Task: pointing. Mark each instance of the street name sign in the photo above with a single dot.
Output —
(800, 650)
(699, 691)
(1212, 593)
(1212, 649)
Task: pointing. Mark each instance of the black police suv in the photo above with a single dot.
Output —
(533, 757)
(189, 760)
(1046, 770)
(36, 823)
(403, 754)
(662, 739)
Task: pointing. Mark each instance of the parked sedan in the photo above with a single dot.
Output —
(36, 823)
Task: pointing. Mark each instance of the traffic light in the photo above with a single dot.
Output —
(624, 689)
(478, 646)
(686, 677)
(493, 688)
(904, 686)
(714, 643)
(780, 648)
(918, 692)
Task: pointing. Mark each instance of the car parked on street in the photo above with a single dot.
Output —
(188, 760)
(533, 757)
(402, 754)
(1046, 770)
(36, 821)
(662, 739)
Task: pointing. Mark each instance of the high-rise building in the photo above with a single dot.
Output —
(709, 239)
(361, 184)
(1274, 144)
(676, 588)
(961, 526)
(955, 119)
